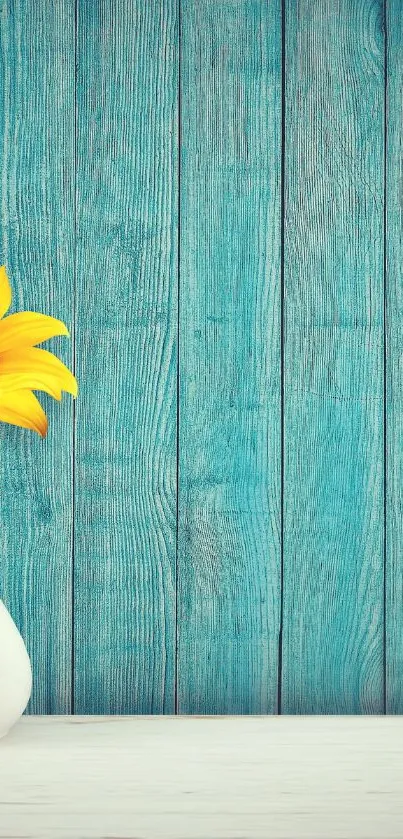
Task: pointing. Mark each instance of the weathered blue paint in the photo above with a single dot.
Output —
(334, 358)
(394, 312)
(37, 246)
(205, 530)
(126, 322)
(229, 452)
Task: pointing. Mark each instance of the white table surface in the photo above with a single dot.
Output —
(202, 778)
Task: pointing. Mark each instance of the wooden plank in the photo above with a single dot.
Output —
(394, 308)
(37, 246)
(334, 345)
(125, 488)
(229, 466)
(183, 778)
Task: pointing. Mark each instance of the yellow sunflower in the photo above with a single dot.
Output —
(24, 367)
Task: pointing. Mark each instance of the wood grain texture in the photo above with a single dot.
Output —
(187, 778)
(229, 454)
(37, 246)
(394, 308)
(89, 153)
(334, 344)
(125, 477)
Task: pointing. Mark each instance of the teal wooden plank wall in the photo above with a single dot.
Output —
(209, 193)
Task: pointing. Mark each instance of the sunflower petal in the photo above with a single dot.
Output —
(22, 408)
(25, 329)
(35, 369)
(30, 381)
(5, 291)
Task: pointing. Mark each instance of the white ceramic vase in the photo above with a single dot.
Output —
(15, 672)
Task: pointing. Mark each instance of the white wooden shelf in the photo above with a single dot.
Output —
(202, 778)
